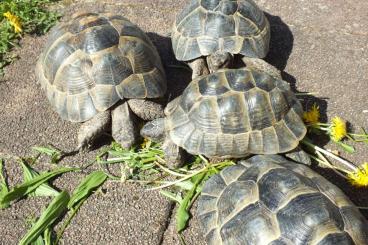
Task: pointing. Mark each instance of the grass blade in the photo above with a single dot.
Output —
(29, 186)
(55, 209)
(182, 214)
(85, 188)
(44, 189)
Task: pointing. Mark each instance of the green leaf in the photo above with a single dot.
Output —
(44, 238)
(185, 185)
(44, 189)
(47, 236)
(4, 189)
(85, 188)
(346, 147)
(38, 241)
(182, 214)
(53, 153)
(54, 211)
(172, 196)
(3, 185)
(29, 186)
(80, 194)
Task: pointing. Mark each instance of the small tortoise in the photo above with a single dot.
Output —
(230, 114)
(98, 62)
(213, 31)
(270, 200)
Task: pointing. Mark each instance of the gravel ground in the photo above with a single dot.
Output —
(321, 46)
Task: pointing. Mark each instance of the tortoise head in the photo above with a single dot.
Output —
(219, 60)
(154, 130)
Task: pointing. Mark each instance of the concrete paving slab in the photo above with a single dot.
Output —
(320, 45)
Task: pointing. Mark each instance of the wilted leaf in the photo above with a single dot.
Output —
(55, 209)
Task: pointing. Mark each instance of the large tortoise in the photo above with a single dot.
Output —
(230, 114)
(270, 200)
(208, 33)
(96, 62)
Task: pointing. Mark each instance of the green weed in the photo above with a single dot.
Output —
(19, 17)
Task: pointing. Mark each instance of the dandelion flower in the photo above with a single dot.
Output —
(312, 116)
(360, 177)
(338, 129)
(14, 21)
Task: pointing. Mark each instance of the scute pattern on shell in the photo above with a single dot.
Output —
(95, 60)
(234, 113)
(234, 26)
(268, 200)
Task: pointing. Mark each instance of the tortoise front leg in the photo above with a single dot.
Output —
(146, 109)
(263, 66)
(174, 155)
(93, 128)
(124, 126)
(199, 67)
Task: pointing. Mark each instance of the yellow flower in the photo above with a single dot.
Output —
(312, 116)
(360, 177)
(338, 129)
(14, 21)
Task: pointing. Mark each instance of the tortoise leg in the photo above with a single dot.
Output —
(124, 126)
(299, 155)
(146, 109)
(199, 67)
(93, 128)
(174, 155)
(261, 65)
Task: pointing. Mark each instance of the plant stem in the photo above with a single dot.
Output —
(343, 161)
(168, 170)
(185, 178)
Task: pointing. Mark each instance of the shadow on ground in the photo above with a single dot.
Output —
(178, 74)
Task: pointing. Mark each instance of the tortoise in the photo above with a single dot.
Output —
(231, 113)
(101, 69)
(268, 199)
(208, 33)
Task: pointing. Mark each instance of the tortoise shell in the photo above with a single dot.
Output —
(234, 113)
(95, 60)
(207, 26)
(270, 200)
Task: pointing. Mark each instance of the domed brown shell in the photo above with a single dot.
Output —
(270, 200)
(95, 60)
(207, 26)
(234, 113)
